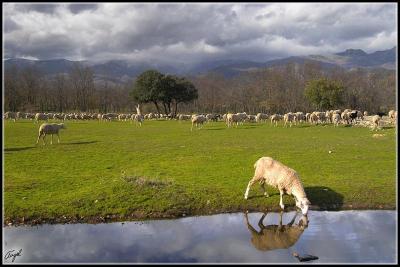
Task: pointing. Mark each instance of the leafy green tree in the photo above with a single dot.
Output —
(176, 90)
(147, 88)
(324, 93)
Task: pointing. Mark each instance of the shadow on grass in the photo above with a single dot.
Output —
(262, 195)
(324, 197)
(81, 143)
(215, 129)
(18, 148)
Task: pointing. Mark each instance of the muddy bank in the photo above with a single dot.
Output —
(172, 214)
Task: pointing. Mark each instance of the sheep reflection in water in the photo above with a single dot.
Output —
(274, 236)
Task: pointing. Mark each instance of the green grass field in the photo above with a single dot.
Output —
(117, 171)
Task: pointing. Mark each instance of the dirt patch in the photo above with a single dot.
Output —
(378, 135)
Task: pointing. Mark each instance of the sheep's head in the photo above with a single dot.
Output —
(303, 204)
(63, 126)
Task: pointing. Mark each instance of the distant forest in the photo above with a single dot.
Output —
(270, 90)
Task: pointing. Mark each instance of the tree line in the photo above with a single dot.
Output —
(292, 87)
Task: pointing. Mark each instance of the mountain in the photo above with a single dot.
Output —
(119, 71)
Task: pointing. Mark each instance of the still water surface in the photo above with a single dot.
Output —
(334, 237)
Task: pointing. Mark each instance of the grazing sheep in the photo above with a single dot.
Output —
(275, 118)
(251, 118)
(335, 119)
(20, 115)
(308, 115)
(50, 128)
(211, 117)
(321, 116)
(314, 118)
(233, 118)
(345, 117)
(375, 120)
(299, 117)
(289, 117)
(41, 117)
(392, 115)
(274, 173)
(274, 236)
(261, 117)
(10, 115)
(328, 115)
(197, 120)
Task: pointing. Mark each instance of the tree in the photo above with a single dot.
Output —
(324, 93)
(147, 88)
(82, 80)
(176, 90)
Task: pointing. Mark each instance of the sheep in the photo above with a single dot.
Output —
(41, 116)
(288, 117)
(211, 117)
(233, 118)
(10, 115)
(50, 128)
(345, 116)
(321, 116)
(328, 115)
(183, 117)
(197, 120)
(391, 115)
(308, 115)
(242, 117)
(251, 118)
(139, 118)
(276, 174)
(274, 236)
(314, 118)
(335, 119)
(375, 120)
(275, 118)
(261, 117)
(20, 115)
(299, 117)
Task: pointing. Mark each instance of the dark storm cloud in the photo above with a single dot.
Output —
(42, 8)
(77, 8)
(193, 32)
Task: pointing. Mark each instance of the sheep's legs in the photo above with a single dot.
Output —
(281, 200)
(51, 142)
(262, 184)
(44, 136)
(58, 136)
(280, 220)
(260, 222)
(37, 141)
(252, 181)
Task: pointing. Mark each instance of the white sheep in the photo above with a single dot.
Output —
(261, 117)
(10, 115)
(299, 117)
(139, 118)
(274, 173)
(50, 128)
(335, 119)
(197, 120)
(375, 120)
(275, 118)
(233, 118)
(289, 117)
(41, 116)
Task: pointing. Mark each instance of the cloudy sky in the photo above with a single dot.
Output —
(190, 33)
